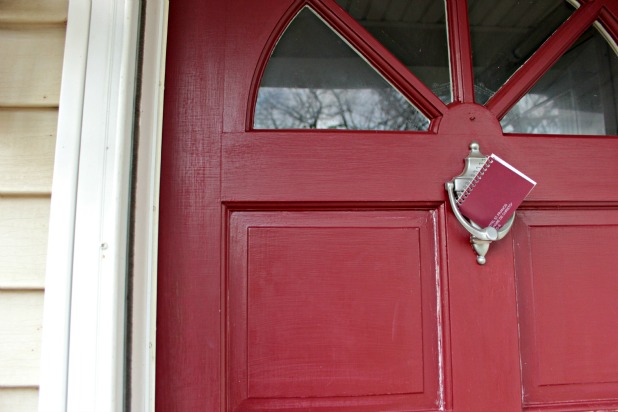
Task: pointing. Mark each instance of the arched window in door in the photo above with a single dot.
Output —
(315, 80)
(318, 76)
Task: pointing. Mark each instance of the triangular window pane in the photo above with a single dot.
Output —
(414, 32)
(505, 33)
(579, 94)
(315, 80)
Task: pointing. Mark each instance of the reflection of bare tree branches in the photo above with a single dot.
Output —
(352, 109)
(576, 96)
(290, 111)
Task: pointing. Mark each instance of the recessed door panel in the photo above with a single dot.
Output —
(567, 284)
(337, 309)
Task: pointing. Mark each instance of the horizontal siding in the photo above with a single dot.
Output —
(32, 34)
(32, 11)
(27, 143)
(18, 399)
(21, 317)
(23, 242)
(31, 65)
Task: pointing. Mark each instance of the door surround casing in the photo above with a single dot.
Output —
(89, 229)
(58, 309)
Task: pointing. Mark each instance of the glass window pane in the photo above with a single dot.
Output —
(414, 31)
(315, 80)
(577, 96)
(505, 33)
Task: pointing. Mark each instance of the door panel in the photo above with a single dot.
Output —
(567, 283)
(337, 308)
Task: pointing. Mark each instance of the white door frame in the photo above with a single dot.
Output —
(84, 321)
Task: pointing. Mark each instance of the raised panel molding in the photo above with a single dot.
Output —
(566, 290)
(333, 310)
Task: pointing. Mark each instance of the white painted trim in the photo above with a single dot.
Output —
(83, 347)
(57, 306)
(146, 209)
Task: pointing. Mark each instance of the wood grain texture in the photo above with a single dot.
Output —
(27, 144)
(216, 309)
(31, 65)
(191, 272)
(23, 241)
(19, 399)
(352, 166)
(21, 317)
(33, 11)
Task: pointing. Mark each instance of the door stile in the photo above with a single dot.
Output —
(189, 326)
(543, 59)
(483, 326)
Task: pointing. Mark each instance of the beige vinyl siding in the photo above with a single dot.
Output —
(30, 75)
(19, 399)
(23, 243)
(20, 329)
(31, 49)
(33, 11)
(27, 150)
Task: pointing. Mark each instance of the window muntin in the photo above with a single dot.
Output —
(505, 33)
(414, 32)
(578, 95)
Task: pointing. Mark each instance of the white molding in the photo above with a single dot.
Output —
(57, 306)
(83, 347)
(146, 208)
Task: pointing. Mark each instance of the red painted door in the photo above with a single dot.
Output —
(323, 270)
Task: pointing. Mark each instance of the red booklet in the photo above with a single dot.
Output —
(495, 192)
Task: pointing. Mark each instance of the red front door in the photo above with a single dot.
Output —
(305, 269)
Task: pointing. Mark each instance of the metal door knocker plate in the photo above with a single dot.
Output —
(480, 237)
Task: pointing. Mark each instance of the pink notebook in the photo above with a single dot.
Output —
(495, 192)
